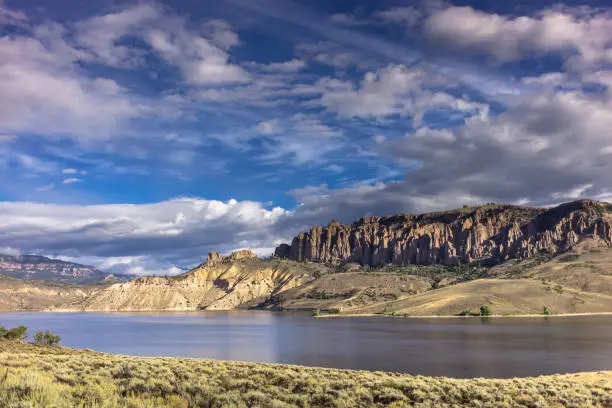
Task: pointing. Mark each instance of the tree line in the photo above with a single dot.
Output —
(21, 333)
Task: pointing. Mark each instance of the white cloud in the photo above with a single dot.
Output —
(221, 34)
(70, 171)
(34, 164)
(334, 55)
(46, 90)
(71, 180)
(380, 93)
(12, 17)
(199, 60)
(268, 128)
(408, 15)
(348, 19)
(100, 35)
(177, 232)
(44, 93)
(202, 60)
(583, 35)
(334, 168)
(48, 187)
(393, 90)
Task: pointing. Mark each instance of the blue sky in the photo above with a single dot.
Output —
(137, 136)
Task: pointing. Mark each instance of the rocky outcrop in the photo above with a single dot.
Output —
(215, 259)
(220, 283)
(492, 233)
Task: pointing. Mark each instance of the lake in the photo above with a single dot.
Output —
(464, 347)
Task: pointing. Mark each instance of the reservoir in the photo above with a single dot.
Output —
(452, 347)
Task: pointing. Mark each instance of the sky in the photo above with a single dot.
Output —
(137, 136)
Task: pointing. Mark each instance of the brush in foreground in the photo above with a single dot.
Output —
(40, 376)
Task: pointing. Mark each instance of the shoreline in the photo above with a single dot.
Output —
(587, 314)
(303, 313)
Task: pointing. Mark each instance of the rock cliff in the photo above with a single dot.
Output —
(492, 233)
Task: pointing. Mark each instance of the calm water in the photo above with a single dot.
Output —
(441, 347)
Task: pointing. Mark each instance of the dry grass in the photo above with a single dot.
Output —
(504, 297)
(33, 376)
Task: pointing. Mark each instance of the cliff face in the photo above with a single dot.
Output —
(490, 232)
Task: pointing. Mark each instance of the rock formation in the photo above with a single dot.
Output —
(214, 258)
(492, 233)
(220, 283)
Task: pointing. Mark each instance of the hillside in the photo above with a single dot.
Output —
(34, 267)
(219, 283)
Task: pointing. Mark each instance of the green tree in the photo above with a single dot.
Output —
(51, 339)
(46, 339)
(3, 332)
(547, 311)
(17, 333)
(485, 311)
(39, 338)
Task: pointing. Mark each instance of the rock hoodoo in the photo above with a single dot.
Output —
(490, 232)
(215, 259)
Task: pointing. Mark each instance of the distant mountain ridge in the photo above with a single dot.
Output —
(35, 267)
(491, 233)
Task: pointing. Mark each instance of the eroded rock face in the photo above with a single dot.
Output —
(219, 283)
(490, 232)
(214, 258)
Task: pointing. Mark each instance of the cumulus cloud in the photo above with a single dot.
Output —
(393, 90)
(169, 233)
(44, 93)
(542, 145)
(583, 34)
(202, 60)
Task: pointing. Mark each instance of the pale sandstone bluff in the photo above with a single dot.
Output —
(220, 283)
(492, 233)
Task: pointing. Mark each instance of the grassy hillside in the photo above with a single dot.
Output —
(36, 376)
(504, 297)
(346, 291)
